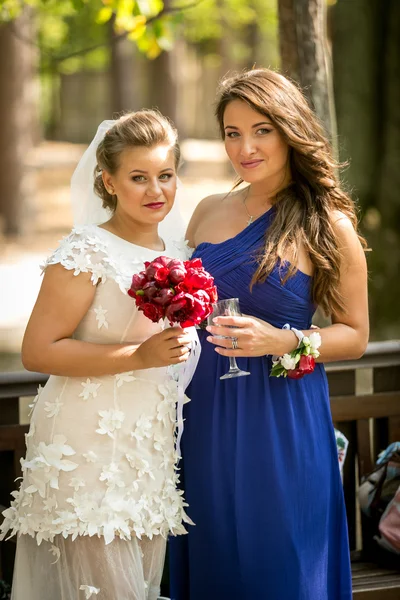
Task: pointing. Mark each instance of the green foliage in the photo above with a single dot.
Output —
(208, 23)
(68, 28)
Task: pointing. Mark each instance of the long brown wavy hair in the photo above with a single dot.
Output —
(304, 209)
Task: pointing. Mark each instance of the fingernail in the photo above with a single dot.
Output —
(208, 328)
(209, 338)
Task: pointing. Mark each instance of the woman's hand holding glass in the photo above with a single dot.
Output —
(254, 337)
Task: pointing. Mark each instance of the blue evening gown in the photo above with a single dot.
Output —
(260, 466)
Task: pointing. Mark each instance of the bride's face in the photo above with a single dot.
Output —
(145, 183)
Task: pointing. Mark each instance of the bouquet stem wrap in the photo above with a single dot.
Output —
(183, 375)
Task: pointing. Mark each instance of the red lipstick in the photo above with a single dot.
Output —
(154, 205)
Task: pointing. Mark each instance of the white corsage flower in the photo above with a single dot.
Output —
(315, 342)
(288, 362)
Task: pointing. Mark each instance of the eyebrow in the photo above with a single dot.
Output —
(145, 172)
(253, 126)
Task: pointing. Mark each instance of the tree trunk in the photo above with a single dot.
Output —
(367, 91)
(305, 55)
(162, 85)
(357, 66)
(389, 184)
(17, 99)
(123, 87)
(162, 80)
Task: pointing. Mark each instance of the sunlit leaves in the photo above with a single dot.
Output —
(68, 28)
(139, 28)
(104, 15)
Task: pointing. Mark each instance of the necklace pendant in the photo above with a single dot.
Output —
(249, 222)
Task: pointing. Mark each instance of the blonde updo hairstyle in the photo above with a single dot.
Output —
(141, 129)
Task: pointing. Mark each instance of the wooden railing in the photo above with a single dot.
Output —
(365, 403)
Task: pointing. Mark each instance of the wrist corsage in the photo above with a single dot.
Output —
(300, 361)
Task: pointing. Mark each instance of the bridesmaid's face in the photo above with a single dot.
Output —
(254, 146)
(145, 183)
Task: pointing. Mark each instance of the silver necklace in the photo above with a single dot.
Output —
(251, 217)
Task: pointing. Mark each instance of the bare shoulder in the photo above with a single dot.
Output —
(349, 241)
(201, 212)
(343, 226)
(208, 203)
(341, 222)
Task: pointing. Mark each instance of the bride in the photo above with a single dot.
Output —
(99, 490)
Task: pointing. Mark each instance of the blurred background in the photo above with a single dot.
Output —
(68, 64)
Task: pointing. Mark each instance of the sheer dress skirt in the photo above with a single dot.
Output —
(88, 568)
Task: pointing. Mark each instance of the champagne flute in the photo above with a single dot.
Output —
(228, 308)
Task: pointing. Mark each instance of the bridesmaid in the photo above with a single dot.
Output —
(260, 464)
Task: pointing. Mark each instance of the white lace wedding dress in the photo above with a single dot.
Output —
(98, 495)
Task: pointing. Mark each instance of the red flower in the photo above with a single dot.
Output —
(138, 281)
(202, 306)
(181, 291)
(150, 289)
(152, 311)
(198, 279)
(155, 265)
(305, 366)
(195, 263)
(161, 276)
(164, 297)
(140, 299)
(177, 271)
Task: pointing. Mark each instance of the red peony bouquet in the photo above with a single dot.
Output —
(180, 291)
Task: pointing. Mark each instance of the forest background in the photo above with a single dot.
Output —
(68, 64)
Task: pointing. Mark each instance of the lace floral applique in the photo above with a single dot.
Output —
(89, 591)
(36, 398)
(91, 457)
(110, 421)
(89, 389)
(50, 504)
(44, 468)
(143, 428)
(76, 483)
(55, 552)
(101, 317)
(31, 432)
(159, 442)
(111, 474)
(122, 378)
(53, 408)
(87, 250)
